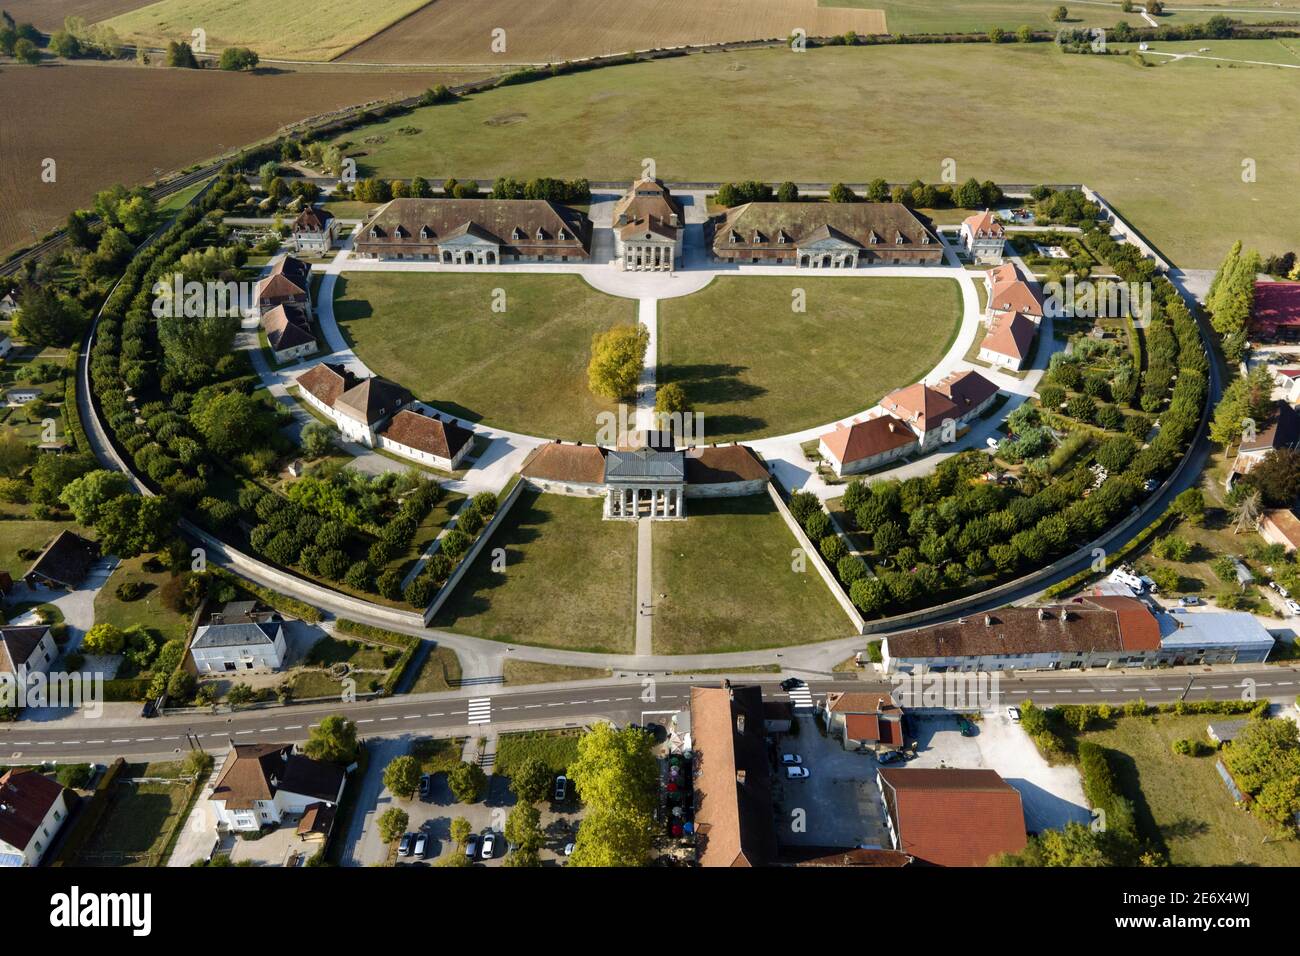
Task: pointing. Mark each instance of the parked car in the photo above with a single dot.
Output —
(967, 728)
(568, 849)
(1293, 608)
(489, 847)
(790, 683)
(426, 784)
(791, 760)
(890, 756)
(561, 787)
(471, 846)
(657, 731)
(796, 773)
(421, 848)
(1189, 600)
(1014, 714)
(1283, 591)
(404, 845)
(150, 709)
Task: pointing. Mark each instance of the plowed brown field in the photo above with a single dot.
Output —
(460, 31)
(105, 124)
(48, 15)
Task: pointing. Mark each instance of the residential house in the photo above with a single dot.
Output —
(6, 346)
(288, 283)
(17, 397)
(359, 407)
(1281, 429)
(1009, 341)
(1281, 526)
(24, 651)
(931, 415)
(476, 232)
(566, 469)
(262, 784)
(8, 304)
(426, 437)
(982, 237)
(239, 638)
(289, 332)
(648, 228)
(1213, 637)
(64, 563)
(1276, 311)
(969, 391)
(864, 721)
(733, 816)
(314, 232)
(866, 445)
(951, 817)
(1009, 293)
(32, 809)
(822, 235)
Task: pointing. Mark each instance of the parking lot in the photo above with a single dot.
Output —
(837, 804)
(1051, 796)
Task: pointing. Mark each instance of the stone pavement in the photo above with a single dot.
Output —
(644, 588)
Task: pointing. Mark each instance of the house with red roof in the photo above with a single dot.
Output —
(951, 817)
(866, 445)
(925, 410)
(32, 809)
(1009, 292)
(982, 237)
(864, 721)
(1276, 314)
(1009, 342)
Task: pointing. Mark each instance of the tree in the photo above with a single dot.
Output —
(393, 823)
(1025, 34)
(787, 192)
(88, 494)
(104, 638)
(238, 58)
(616, 775)
(523, 826)
(868, 595)
(1246, 512)
(64, 44)
(531, 780)
(842, 193)
(181, 55)
(468, 782)
(617, 357)
(231, 422)
(47, 318)
(996, 34)
(25, 51)
(1060, 14)
(1191, 504)
(130, 524)
(317, 439)
(15, 453)
(333, 740)
(402, 776)
(460, 831)
(1277, 477)
(671, 399)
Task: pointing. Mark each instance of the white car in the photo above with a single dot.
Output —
(1293, 608)
(1014, 714)
(796, 773)
(488, 849)
(568, 849)
(791, 760)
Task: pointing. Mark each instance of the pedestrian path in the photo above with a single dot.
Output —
(480, 710)
(644, 588)
(648, 316)
(802, 698)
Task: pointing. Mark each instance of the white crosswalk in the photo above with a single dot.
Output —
(802, 698)
(480, 710)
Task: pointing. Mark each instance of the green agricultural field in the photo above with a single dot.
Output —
(1181, 802)
(1157, 142)
(964, 16)
(570, 580)
(524, 369)
(729, 585)
(290, 29)
(753, 366)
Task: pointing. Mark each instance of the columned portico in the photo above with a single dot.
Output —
(645, 501)
(645, 483)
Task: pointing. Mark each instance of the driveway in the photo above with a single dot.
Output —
(837, 804)
(362, 845)
(1052, 796)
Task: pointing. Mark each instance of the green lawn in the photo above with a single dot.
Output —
(439, 671)
(524, 369)
(18, 535)
(137, 825)
(726, 573)
(1151, 140)
(531, 672)
(1181, 802)
(753, 366)
(557, 749)
(570, 580)
(148, 610)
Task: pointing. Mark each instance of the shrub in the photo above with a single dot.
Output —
(802, 504)
(850, 568)
(818, 525)
(832, 548)
(420, 592)
(130, 590)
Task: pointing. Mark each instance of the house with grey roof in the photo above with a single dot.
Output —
(238, 638)
(645, 482)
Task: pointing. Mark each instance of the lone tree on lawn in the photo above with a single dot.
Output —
(617, 356)
(402, 776)
(334, 740)
(238, 58)
(1060, 14)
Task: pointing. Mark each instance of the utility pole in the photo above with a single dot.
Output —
(1186, 689)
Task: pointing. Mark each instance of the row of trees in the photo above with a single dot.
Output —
(971, 194)
(1231, 299)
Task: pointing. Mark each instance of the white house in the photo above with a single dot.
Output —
(1009, 293)
(261, 784)
(315, 231)
(22, 395)
(982, 237)
(648, 228)
(426, 437)
(6, 346)
(8, 305)
(32, 809)
(289, 332)
(1009, 342)
(359, 407)
(239, 639)
(23, 651)
(864, 445)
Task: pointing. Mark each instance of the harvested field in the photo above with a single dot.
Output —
(288, 29)
(48, 15)
(460, 31)
(105, 124)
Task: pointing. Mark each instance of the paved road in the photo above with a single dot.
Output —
(473, 711)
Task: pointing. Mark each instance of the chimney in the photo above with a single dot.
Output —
(218, 618)
(740, 723)
(1042, 614)
(988, 621)
(672, 219)
(740, 777)
(1065, 615)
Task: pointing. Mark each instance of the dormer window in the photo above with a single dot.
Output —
(401, 233)
(782, 238)
(541, 234)
(898, 239)
(517, 234)
(376, 232)
(564, 234)
(734, 237)
(758, 238)
(426, 232)
(925, 238)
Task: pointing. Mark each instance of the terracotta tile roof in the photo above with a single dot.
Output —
(837, 856)
(758, 226)
(372, 400)
(1010, 293)
(984, 225)
(722, 465)
(257, 771)
(428, 433)
(861, 702)
(920, 406)
(1277, 304)
(317, 818)
(25, 798)
(733, 796)
(967, 390)
(582, 464)
(327, 381)
(413, 226)
(954, 817)
(1286, 524)
(1094, 624)
(868, 438)
(862, 727)
(1011, 335)
(648, 205)
(287, 326)
(313, 219)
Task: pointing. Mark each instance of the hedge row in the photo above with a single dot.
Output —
(1136, 543)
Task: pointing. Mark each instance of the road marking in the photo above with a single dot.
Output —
(121, 740)
(286, 727)
(383, 719)
(368, 720)
(145, 740)
(600, 700)
(94, 741)
(439, 714)
(531, 706)
(801, 697)
(269, 730)
(238, 732)
(412, 717)
(1086, 690)
(622, 698)
(480, 710)
(71, 741)
(510, 708)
